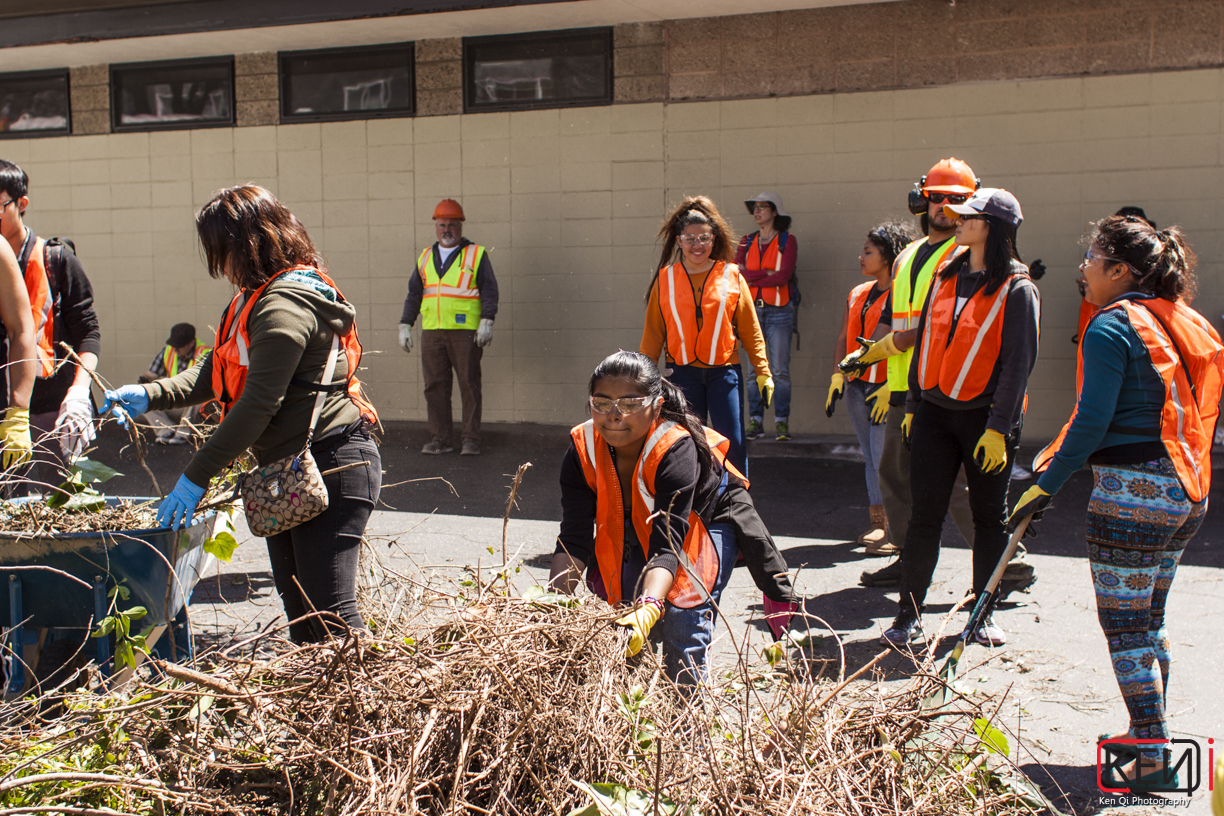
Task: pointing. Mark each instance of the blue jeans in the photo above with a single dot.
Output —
(687, 633)
(870, 437)
(716, 396)
(777, 324)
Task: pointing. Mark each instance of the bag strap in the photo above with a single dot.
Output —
(321, 397)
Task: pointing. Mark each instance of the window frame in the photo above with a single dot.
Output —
(469, 69)
(116, 115)
(54, 73)
(283, 76)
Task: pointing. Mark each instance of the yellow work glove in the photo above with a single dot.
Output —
(765, 386)
(15, 438)
(991, 451)
(643, 616)
(1217, 793)
(1032, 503)
(878, 400)
(906, 424)
(872, 352)
(837, 387)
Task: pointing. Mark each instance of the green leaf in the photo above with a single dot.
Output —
(135, 613)
(773, 653)
(222, 545)
(105, 627)
(991, 737)
(124, 656)
(534, 593)
(124, 592)
(92, 472)
(88, 500)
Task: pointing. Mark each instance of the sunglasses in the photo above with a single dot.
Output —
(625, 406)
(950, 198)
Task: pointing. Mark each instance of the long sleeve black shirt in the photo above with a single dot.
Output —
(486, 282)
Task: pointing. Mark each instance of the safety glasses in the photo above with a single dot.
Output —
(625, 406)
(704, 239)
(950, 198)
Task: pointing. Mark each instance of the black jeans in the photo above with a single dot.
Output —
(322, 553)
(941, 440)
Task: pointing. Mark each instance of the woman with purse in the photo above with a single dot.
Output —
(282, 369)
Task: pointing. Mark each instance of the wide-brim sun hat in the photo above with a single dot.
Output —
(772, 198)
(993, 201)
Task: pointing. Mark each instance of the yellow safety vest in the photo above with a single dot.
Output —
(451, 301)
(907, 305)
(171, 360)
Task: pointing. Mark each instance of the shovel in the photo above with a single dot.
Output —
(980, 610)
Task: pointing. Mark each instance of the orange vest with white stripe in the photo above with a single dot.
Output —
(42, 306)
(769, 261)
(714, 343)
(601, 477)
(861, 322)
(230, 359)
(451, 301)
(1187, 353)
(959, 354)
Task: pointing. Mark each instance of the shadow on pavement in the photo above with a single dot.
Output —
(232, 587)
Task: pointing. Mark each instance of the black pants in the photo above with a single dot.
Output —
(322, 553)
(941, 440)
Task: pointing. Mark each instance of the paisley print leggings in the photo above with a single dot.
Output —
(1139, 521)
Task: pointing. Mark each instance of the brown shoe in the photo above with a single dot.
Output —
(876, 540)
(470, 448)
(433, 447)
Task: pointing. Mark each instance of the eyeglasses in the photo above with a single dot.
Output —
(4, 205)
(704, 239)
(625, 406)
(762, 205)
(1091, 256)
(973, 217)
(951, 198)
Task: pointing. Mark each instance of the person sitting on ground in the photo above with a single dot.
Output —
(182, 351)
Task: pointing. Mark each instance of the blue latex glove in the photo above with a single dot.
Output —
(128, 400)
(177, 509)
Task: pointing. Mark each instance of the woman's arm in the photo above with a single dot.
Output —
(654, 332)
(768, 277)
(18, 322)
(1017, 354)
(748, 328)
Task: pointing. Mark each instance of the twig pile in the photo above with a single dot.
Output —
(35, 518)
(487, 703)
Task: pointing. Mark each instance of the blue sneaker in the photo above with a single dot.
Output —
(906, 628)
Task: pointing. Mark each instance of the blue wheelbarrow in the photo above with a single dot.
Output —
(62, 582)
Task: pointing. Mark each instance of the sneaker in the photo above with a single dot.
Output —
(470, 448)
(905, 629)
(755, 429)
(176, 439)
(782, 430)
(989, 633)
(433, 446)
(889, 576)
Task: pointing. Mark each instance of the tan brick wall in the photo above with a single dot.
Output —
(439, 77)
(569, 202)
(256, 89)
(89, 91)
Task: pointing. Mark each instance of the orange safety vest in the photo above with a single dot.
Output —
(714, 343)
(771, 260)
(959, 355)
(600, 471)
(861, 321)
(1087, 310)
(38, 285)
(1187, 353)
(230, 360)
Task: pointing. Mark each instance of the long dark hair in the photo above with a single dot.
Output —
(891, 237)
(644, 374)
(1161, 261)
(694, 210)
(248, 236)
(1000, 252)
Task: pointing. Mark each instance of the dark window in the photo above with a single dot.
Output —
(181, 94)
(544, 69)
(346, 83)
(34, 104)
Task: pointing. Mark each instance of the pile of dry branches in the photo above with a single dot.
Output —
(37, 518)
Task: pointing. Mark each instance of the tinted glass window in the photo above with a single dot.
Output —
(191, 93)
(34, 103)
(541, 70)
(352, 83)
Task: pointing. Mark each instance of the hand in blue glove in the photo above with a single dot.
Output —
(177, 509)
(128, 401)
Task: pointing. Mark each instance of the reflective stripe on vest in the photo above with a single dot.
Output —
(946, 363)
(38, 287)
(451, 301)
(601, 476)
(754, 260)
(907, 305)
(714, 343)
(855, 329)
(1191, 366)
(170, 358)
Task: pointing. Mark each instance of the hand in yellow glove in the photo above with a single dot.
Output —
(1032, 503)
(643, 616)
(878, 400)
(872, 352)
(991, 451)
(837, 387)
(906, 425)
(15, 438)
(765, 386)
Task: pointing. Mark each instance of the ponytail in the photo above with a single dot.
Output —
(1161, 262)
(1172, 274)
(693, 210)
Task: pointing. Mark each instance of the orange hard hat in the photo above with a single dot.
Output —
(950, 176)
(448, 208)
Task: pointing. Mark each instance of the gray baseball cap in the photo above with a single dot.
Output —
(990, 201)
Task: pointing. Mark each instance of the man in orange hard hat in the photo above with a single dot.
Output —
(455, 292)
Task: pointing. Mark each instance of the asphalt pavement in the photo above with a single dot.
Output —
(1055, 672)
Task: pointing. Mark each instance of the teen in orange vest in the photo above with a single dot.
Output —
(16, 443)
(699, 309)
(977, 342)
(1149, 379)
(273, 344)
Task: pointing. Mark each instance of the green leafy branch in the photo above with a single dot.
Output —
(120, 623)
(77, 493)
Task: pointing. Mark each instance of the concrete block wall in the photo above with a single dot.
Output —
(569, 202)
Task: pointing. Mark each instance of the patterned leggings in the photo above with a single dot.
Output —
(1139, 521)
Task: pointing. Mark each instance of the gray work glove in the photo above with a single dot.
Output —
(405, 336)
(484, 334)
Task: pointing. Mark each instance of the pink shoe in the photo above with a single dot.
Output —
(778, 615)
